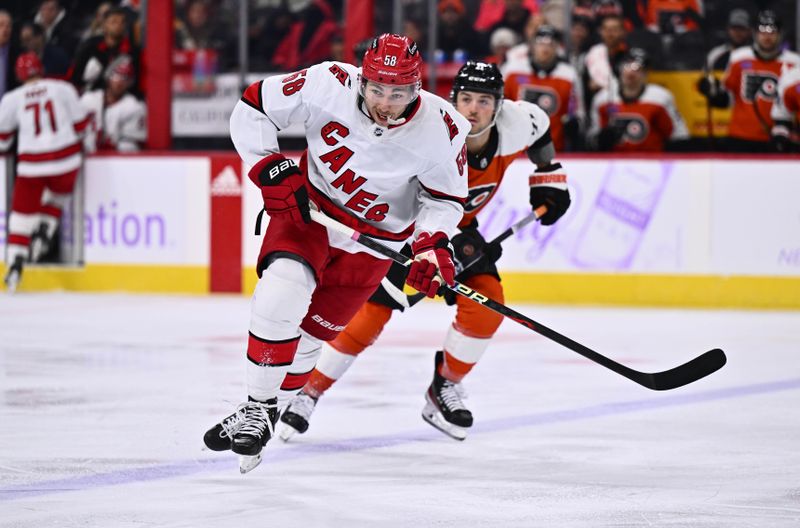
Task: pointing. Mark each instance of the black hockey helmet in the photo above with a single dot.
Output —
(474, 76)
(547, 32)
(768, 22)
(635, 56)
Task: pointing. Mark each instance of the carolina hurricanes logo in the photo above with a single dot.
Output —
(759, 85)
(543, 96)
(478, 196)
(452, 129)
(635, 128)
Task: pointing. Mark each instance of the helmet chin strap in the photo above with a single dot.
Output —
(490, 125)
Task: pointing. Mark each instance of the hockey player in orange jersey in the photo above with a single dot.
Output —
(637, 116)
(750, 86)
(549, 82)
(501, 130)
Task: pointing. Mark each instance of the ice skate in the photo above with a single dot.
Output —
(218, 438)
(443, 406)
(14, 274)
(255, 430)
(296, 416)
(40, 243)
(245, 432)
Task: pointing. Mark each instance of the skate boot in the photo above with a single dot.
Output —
(218, 438)
(296, 416)
(40, 243)
(14, 274)
(257, 427)
(245, 432)
(443, 406)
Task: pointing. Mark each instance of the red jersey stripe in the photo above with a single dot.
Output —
(52, 155)
(252, 96)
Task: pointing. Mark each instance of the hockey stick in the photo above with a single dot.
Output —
(689, 372)
(414, 298)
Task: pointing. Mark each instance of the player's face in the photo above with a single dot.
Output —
(477, 107)
(633, 76)
(544, 51)
(767, 40)
(118, 85)
(387, 101)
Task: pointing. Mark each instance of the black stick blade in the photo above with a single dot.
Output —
(689, 372)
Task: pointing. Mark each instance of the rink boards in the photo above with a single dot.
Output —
(669, 231)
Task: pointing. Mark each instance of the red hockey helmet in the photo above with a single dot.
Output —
(28, 65)
(392, 59)
(121, 67)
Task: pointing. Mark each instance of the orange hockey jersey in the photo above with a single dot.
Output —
(647, 123)
(555, 91)
(753, 83)
(671, 15)
(519, 125)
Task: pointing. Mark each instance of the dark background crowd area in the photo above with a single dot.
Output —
(285, 35)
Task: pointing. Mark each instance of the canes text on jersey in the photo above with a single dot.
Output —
(360, 201)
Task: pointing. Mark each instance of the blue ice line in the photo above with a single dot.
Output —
(292, 452)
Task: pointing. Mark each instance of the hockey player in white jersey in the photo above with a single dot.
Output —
(384, 157)
(785, 112)
(117, 118)
(501, 131)
(47, 118)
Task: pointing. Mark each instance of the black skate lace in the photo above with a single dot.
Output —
(450, 396)
(257, 419)
(302, 405)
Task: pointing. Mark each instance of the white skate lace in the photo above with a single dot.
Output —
(451, 396)
(256, 419)
(231, 424)
(302, 405)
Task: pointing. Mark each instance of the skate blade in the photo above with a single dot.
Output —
(436, 419)
(286, 432)
(248, 463)
(12, 282)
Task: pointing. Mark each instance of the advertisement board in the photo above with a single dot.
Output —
(664, 231)
(147, 210)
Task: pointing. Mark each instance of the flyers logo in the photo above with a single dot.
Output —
(452, 129)
(543, 96)
(634, 127)
(478, 196)
(759, 85)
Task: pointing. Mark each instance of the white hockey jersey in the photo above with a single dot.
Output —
(121, 126)
(787, 103)
(519, 125)
(48, 118)
(393, 182)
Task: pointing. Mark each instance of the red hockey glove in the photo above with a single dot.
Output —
(433, 263)
(549, 188)
(282, 187)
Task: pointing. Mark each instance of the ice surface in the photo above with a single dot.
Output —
(104, 400)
